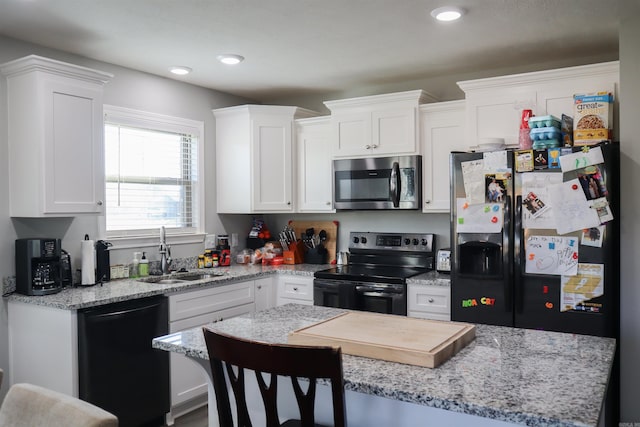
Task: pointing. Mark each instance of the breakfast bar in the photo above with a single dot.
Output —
(505, 376)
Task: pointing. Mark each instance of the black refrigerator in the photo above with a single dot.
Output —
(535, 243)
(535, 238)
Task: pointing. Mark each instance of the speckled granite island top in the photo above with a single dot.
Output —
(519, 376)
(122, 290)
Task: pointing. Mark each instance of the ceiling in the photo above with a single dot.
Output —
(298, 47)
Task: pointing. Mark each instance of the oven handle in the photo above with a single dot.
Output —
(369, 291)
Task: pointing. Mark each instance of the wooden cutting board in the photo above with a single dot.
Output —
(331, 227)
(420, 342)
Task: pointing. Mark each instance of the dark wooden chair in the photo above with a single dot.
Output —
(234, 355)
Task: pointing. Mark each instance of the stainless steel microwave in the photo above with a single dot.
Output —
(378, 183)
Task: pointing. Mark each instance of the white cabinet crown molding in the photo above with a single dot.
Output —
(545, 76)
(52, 66)
(296, 112)
(415, 97)
(443, 106)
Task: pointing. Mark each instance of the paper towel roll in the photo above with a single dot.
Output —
(88, 262)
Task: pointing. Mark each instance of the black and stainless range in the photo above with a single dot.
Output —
(375, 279)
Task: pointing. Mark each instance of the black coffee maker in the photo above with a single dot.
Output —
(38, 269)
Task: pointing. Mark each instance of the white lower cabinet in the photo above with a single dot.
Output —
(429, 302)
(265, 293)
(196, 308)
(294, 289)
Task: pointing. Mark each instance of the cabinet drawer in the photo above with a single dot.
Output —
(195, 303)
(300, 289)
(431, 299)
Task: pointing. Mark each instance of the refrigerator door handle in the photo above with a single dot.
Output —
(518, 247)
(507, 256)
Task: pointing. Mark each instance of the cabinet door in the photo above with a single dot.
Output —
(272, 163)
(394, 131)
(442, 131)
(497, 114)
(352, 134)
(73, 149)
(265, 295)
(295, 289)
(314, 150)
(188, 380)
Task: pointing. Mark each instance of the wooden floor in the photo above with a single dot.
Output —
(197, 418)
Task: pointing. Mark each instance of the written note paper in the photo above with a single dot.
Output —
(571, 210)
(473, 178)
(485, 218)
(581, 159)
(554, 255)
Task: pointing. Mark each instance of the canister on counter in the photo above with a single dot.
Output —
(208, 258)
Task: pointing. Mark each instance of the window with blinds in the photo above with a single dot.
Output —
(152, 174)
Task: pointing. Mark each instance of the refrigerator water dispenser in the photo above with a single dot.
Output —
(480, 258)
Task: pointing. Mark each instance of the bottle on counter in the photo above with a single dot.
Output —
(200, 261)
(208, 258)
(143, 266)
(134, 271)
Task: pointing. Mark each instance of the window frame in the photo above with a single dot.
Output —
(164, 123)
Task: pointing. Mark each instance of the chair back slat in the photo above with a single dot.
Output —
(294, 361)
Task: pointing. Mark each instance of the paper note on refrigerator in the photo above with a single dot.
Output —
(577, 292)
(570, 208)
(473, 178)
(581, 159)
(484, 218)
(538, 183)
(554, 255)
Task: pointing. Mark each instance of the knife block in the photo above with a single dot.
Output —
(295, 254)
(317, 255)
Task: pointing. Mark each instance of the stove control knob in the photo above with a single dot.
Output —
(356, 240)
(364, 240)
(407, 241)
(416, 241)
(425, 242)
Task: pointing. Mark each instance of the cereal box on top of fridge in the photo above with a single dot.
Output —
(593, 117)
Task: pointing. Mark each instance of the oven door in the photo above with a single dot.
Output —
(334, 293)
(381, 298)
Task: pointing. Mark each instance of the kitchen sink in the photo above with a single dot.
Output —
(164, 280)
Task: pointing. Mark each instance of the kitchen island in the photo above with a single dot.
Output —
(506, 376)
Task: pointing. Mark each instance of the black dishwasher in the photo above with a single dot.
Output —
(118, 369)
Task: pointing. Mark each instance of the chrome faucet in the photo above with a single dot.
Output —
(165, 253)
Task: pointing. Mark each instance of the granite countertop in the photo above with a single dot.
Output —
(126, 289)
(528, 377)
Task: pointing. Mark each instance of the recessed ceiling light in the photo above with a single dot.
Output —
(230, 59)
(447, 13)
(181, 71)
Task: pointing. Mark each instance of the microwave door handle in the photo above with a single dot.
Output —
(394, 184)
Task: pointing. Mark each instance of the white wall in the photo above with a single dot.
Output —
(630, 226)
(130, 89)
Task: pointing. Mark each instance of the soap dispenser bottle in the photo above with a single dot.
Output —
(135, 266)
(144, 266)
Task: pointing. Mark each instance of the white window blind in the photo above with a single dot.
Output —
(152, 174)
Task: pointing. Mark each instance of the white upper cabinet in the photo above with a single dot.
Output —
(55, 130)
(314, 162)
(494, 105)
(376, 125)
(254, 158)
(442, 127)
